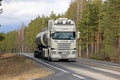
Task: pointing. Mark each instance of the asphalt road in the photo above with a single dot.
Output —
(82, 69)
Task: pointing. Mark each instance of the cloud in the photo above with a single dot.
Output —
(18, 11)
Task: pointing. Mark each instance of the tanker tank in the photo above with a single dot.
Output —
(41, 39)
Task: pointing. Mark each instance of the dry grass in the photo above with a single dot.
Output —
(16, 67)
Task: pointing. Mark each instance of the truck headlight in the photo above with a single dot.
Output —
(60, 52)
(73, 52)
(54, 52)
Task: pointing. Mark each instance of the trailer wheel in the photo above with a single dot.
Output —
(35, 54)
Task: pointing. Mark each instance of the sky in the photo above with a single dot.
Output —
(18, 11)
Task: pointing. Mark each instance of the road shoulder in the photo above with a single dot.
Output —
(17, 67)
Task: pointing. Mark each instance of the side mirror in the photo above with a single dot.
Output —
(78, 35)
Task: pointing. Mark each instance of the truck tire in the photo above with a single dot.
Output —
(72, 60)
(39, 55)
(35, 54)
(54, 60)
(49, 59)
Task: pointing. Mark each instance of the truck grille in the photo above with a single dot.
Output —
(64, 46)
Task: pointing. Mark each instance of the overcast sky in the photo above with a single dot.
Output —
(18, 11)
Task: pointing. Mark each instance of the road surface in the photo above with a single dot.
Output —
(82, 69)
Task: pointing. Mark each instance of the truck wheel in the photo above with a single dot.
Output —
(35, 55)
(49, 59)
(54, 60)
(39, 55)
(72, 60)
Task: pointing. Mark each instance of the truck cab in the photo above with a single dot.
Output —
(62, 40)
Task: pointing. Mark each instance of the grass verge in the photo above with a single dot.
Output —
(16, 67)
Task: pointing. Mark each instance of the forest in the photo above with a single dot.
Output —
(98, 22)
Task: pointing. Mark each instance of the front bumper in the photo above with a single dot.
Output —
(63, 54)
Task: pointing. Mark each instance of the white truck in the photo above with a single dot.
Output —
(57, 41)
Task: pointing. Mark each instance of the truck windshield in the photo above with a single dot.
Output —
(63, 35)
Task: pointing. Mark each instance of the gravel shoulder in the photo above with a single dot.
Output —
(17, 67)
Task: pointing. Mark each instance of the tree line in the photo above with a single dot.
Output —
(1, 10)
(98, 22)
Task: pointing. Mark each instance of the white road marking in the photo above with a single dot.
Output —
(79, 76)
(48, 64)
(53, 66)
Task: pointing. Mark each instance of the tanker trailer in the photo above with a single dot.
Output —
(41, 43)
(57, 41)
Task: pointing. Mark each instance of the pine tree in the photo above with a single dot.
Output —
(112, 28)
(89, 26)
(75, 10)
